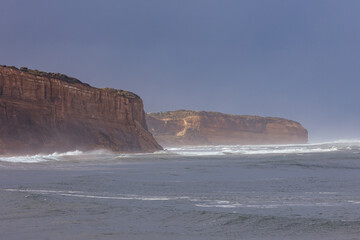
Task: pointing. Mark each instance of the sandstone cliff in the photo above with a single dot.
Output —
(183, 127)
(46, 112)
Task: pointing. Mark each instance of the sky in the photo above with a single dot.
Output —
(296, 59)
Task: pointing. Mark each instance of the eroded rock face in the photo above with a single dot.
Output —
(183, 127)
(43, 113)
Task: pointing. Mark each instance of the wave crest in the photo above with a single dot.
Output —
(192, 151)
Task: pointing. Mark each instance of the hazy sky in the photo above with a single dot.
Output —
(294, 59)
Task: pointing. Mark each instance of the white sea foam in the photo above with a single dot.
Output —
(256, 149)
(80, 194)
(71, 155)
(256, 203)
(238, 205)
(268, 205)
(199, 153)
(198, 202)
(35, 158)
(192, 151)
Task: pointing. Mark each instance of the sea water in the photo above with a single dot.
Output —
(307, 191)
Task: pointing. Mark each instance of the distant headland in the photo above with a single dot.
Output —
(184, 127)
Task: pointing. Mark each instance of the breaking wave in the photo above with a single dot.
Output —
(71, 155)
(353, 145)
(192, 151)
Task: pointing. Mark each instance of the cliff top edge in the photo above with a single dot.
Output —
(180, 114)
(70, 80)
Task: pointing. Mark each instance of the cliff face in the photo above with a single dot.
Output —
(45, 112)
(183, 127)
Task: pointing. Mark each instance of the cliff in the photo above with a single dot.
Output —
(184, 127)
(47, 112)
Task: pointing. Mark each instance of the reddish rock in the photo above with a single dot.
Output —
(45, 112)
(183, 127)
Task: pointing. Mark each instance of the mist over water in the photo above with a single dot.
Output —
(297, 191)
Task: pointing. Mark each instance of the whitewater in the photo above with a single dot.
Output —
(193, 151)
(297, 191)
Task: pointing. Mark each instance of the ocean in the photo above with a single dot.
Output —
(304, 191)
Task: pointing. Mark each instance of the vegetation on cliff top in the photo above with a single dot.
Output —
(65, 78)
(179, 114)
(121, 92)
(57, 76)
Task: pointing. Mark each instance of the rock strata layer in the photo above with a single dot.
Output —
(176, 128)
(46, 112)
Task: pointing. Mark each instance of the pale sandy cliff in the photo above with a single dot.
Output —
(184, 127)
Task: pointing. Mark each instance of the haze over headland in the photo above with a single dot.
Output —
(293, 59)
